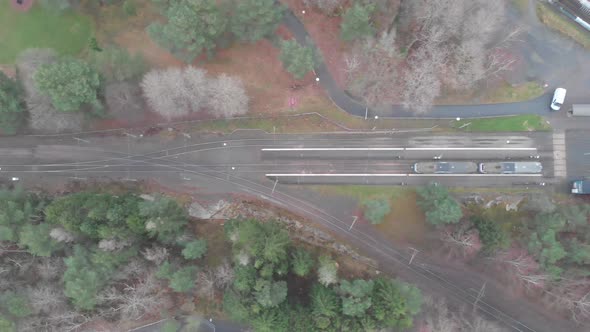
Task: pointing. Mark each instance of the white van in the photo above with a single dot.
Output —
(558, 98)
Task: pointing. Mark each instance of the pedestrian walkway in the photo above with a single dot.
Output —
(559, 155)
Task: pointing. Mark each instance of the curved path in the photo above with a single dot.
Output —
(347, 103)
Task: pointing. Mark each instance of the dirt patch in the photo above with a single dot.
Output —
(8, 70)
(138, 41)
(269, 86)
(406, 222)
(218, 249)
(22, 5)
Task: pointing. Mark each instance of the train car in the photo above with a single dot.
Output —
(445, 167)
(511, 167)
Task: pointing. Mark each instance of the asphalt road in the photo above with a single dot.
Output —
(578, 154)
(329, 159)
(236, 164)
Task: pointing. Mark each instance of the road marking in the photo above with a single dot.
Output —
(559, 155)
(398, 149)
(332, 149)
(470, 149)
(332, 175)
(393, 175)
(482, 175)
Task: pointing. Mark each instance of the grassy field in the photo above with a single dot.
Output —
(508, 123)
(563, 24)
(500, 93)
(405, 222)
(507, 93)
(67, 33)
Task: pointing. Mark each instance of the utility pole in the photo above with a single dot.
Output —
(414, 253)
(273, 187)
(353, 221)
(480, 294)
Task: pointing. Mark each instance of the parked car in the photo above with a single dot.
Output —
(558, 98)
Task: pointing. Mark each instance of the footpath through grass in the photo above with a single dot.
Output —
(67, 33)
(501, 124)
(563, 25)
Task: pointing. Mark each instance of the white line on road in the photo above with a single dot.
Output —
(393, 175)
(399, 149)
(482, 175)
(332, 149)
(331, 175)
(470, 149)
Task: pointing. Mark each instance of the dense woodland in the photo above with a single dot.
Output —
(68, 261)
(543, 245)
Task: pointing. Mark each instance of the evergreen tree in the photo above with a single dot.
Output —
(297, 59)
(193, 26)
(356, 22)
(438, 205)
(256, 19)
(12, 105)
(301, 262)
(195, 249)
(70, 84)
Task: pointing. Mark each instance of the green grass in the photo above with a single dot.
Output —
(508, 123)
(510, 94)
(521, 5)
(563, 24)
(68, 33)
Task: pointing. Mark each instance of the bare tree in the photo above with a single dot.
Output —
(113, 244)
(455, 43)
(242, 258)
(156, 254)
(175, 92)
(521, 266)
(224, 275)
(572, 296)
(135, 268)
(50, 268)
(461, 241)
(46, 298)
(61, 235)
(227, 97)
(206, 284)
(421, 82)
(136, 300)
